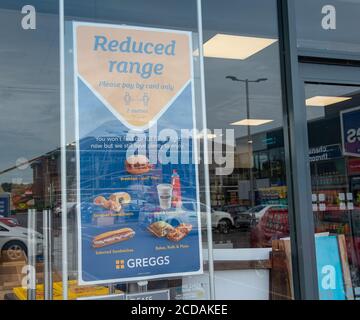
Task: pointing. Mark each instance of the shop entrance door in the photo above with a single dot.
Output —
(332, 101)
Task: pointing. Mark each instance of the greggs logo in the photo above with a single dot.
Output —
(120, 264)
(143, 262)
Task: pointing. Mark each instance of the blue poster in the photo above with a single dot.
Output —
(350, 130)
(138, 196)
(329, 269)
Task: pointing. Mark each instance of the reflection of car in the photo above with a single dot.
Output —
(220, 220)
(273, 224)
(259, 211)
(238, 213)
(253, 215)
(9, 221)
(14, 241)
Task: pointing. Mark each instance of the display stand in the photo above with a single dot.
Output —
(281, 284)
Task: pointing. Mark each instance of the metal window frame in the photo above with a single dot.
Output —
(297, 160)
(64, 226)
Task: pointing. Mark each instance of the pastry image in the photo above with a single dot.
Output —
(137, 164)
(99, 200)
(114, 202)
(111, 237)
(184, 227)
(115, 206)
(180, 232)
(120, 197)
(106, 204)
(160, 228)
(176, 235)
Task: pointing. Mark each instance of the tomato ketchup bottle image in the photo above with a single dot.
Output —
(176, 195)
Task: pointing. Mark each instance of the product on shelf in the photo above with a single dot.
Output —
(273, 195)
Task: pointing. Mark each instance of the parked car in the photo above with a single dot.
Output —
(238, 213)
(252, 216)
(14, 241)
(9, 221)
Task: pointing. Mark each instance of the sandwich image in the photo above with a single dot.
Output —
(111, 237)
(137, 164)
(160, 228)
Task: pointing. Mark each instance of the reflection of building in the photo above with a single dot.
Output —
(267, 162)
(46, 178)
(45, 191)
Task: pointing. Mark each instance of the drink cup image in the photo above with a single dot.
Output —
(165, 195)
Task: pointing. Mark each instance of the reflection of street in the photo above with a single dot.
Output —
(237, 238)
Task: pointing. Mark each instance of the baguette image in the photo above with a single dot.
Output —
(111, 237)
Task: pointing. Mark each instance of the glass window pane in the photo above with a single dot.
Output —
(333, 121)
(243, 97)
(30, 139)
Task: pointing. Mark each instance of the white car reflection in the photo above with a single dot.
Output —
(14, 241)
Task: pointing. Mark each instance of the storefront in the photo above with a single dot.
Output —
(180, 149)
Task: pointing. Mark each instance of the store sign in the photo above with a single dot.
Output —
(322, 153)
(134, 96)
(350, 129)
(329, 269)
(5, 205)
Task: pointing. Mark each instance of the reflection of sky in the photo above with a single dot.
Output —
(29, 91)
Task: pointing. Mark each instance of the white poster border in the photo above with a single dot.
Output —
(200, 271)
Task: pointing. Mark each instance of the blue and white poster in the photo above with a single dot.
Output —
(138, 194)
(350, 131)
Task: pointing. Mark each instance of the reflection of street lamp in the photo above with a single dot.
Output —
(247, 81)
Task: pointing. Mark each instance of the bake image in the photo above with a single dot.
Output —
(180, 232)
(120, 197)
(137, 164)
(115, 201)
(184, 227)
(162, 229)
(111, 237)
